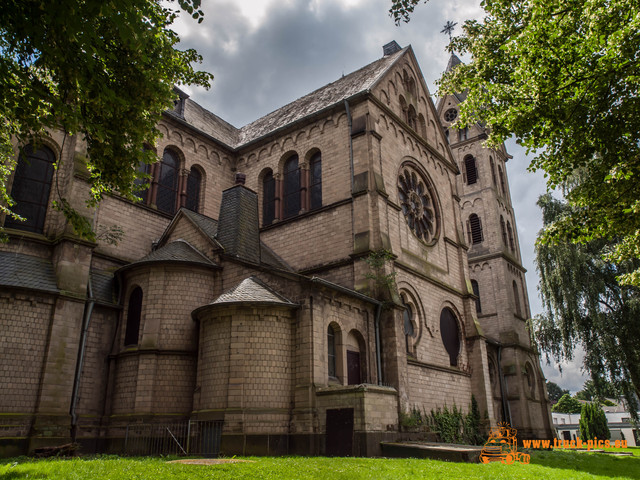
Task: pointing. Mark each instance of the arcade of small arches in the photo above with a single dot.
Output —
(296, 188)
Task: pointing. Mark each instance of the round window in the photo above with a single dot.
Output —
(450, 115)
(418, 205)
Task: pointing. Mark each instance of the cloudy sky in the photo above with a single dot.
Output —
(266, 53)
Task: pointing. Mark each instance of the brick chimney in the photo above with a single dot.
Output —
(238, 222)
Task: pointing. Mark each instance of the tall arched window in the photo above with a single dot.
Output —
(504, 231)
(450, 334)
(194, 182)
(133, 317)
(31, 188)
(409, 324)
(412, 118)
(471, 170)
(476, 292)
(501, 175)
(512, 246)
(463, 134)
(474, 229)
(315, 181)
(291, 196)
(268, 198)
(331, 351)
(166, 198)
(493, 170)
(516, 299)
(143, 168)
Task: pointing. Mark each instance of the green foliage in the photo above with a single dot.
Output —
(555, 392)
(567, 404)
(593, 423)
(380, 272)
(102, 70)
(592, 391)
(586, 305)
(453, 426)
(562, 77)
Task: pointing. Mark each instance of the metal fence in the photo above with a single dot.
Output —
(195, 437)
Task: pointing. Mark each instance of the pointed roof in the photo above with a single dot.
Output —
(253, 291)
(454, 61)
(179, 251)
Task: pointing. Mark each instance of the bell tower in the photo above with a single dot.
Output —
(496, 273)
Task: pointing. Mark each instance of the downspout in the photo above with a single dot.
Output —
(376, 326)
(506, 409)
(83, 344)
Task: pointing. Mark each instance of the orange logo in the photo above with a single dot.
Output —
(502, 446)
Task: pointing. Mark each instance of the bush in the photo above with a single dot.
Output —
(453, 426)
(566, 404)
(593, 423)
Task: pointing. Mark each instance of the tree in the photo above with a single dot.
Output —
(562, 77)
(102, 70)
(555, 391)
(584, 304)
(567, 404)
(593, 423)
(592, 391)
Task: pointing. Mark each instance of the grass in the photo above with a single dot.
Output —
(544, 464)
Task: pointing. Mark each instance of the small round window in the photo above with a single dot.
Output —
(418, 204)
(450, 115)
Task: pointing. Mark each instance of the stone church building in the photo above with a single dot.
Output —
(244, 290)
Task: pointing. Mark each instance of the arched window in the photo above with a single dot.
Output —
(315, 181)
(194, 182)
(331, 351)
(493, 170)
(529, 377)
(268, 198)
(31, 188)
(408, 323)
(412, 118)
(450, 334)
(133, 317)
(143, 168)
(291, 196)
(476, 292)
(356, 365)
(463, 134)
(404, 108)
(501, 175)
(474, 229)
(516, 298)
(504, 231)
(423, 125)
(446, 134)
(471, 170)
(510, 233)
(166, 198)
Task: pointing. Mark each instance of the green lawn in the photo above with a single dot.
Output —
(544, 465)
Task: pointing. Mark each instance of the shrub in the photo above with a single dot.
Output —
(593, 423)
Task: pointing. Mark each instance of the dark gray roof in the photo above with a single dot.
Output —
(454, 61)
(252, 290)
(327, 96)
(25, 271)
(178, 251)
(208, 225)
(103, 288)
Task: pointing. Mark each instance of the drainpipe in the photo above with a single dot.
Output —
(506, 409)
(376, 326)
(83, 344)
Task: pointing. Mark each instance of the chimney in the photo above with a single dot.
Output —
(238, 222)
(391, 48)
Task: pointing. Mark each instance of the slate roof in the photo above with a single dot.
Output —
(208, 225)
(179, 251)
(26, 271)
(102, 286)
(325, 97)
(252, 290)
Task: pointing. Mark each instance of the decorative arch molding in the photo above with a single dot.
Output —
(420, 316)
(176, 135)
(190, 144)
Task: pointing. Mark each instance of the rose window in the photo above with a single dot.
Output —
(450, 115)
(417, 205)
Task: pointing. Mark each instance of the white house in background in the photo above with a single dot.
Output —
(568, 427)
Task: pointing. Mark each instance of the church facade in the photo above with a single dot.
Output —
(339, 262)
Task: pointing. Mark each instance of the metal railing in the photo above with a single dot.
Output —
(193, 437)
